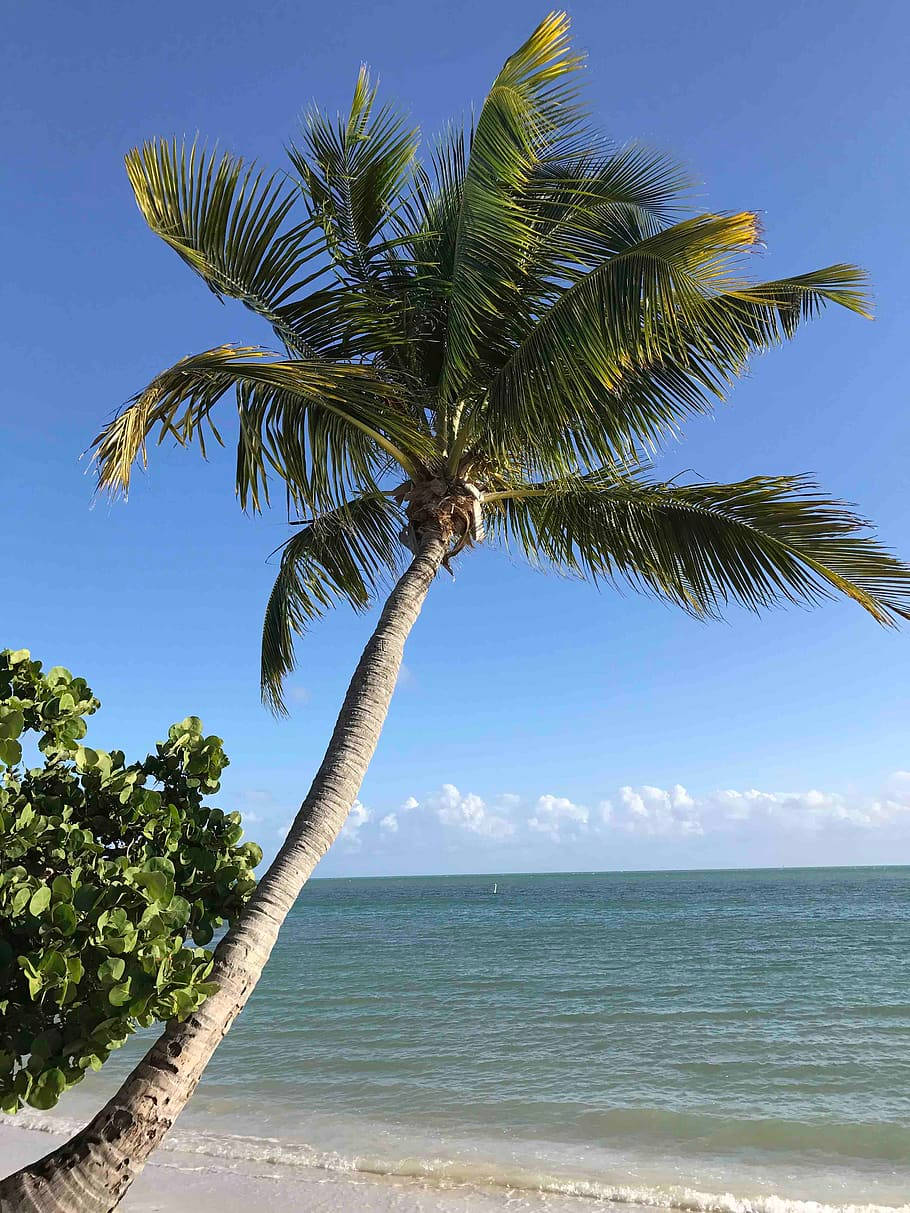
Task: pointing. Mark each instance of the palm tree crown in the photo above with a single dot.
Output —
(494, 341)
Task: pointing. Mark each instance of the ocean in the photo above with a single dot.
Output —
(734, 1041)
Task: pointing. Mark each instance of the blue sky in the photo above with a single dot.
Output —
(539, 724)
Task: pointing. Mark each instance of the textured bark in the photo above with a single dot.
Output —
(93, 1170)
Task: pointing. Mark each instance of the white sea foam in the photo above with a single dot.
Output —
(514, 1181)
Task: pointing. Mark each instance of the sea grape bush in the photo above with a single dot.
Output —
(113, 877)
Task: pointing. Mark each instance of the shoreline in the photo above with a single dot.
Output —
(176, 1179)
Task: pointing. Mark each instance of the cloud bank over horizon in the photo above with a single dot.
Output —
(643, 826)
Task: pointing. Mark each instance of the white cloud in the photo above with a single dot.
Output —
(652, 811)
(354, 823)
(555, 814)
(659, 811)
(468, 812)
(731, 826)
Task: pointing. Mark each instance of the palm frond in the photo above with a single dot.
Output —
(530, 111)
(702, 546)
(228, 222)
(342, 555)
(656, 332)
(578, 205)
(319, 426)
(353, 171)
(426, 225)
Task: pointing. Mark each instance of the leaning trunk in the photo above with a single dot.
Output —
(92, 1171)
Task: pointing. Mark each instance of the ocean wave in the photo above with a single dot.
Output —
(456, 1173)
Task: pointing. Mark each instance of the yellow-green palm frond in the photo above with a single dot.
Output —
(230, 223)
(525, 318)
(531, 110)
(323, 428)
(656, 332)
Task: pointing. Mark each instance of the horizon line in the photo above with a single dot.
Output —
(821, 867)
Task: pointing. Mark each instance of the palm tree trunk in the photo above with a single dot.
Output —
(93, 1170)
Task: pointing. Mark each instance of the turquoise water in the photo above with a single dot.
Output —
(670, 1039)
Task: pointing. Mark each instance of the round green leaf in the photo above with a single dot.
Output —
(62, 888)
(47, 1089)
(119, 994)
(63, 917)
(40, 900)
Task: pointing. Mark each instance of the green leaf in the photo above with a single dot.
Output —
(252, 852)
(12, 722)
(53, 964)
(157, 884)
(178, 911)
(40, 900)
(352, 171)
(20, 900)
(85, 897)
(46, 1044)
(183, 1002)
(75, 970)
(86, 758)
(111, 970)
(63, 917)
(47, 1089)
(202, 934)
(10, 752)
(302, 417)
(119, 994)
(62, 888)
(530, 109)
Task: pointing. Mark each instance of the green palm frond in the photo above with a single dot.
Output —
(777, 307)
(425, 225)
(529, 113)
(656, 332)
(702, 546)
(318, 425)
(342, 555)
(582, 208)
(353, 171)
(228, 222)
(518, 321)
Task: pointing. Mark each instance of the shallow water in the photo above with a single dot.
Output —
(708, 1040)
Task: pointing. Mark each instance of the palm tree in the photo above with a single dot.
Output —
(489, 345)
